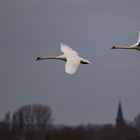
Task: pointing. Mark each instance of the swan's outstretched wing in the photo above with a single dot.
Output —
(139, 37)
(137, 43)
(67, 50)
(71, 65)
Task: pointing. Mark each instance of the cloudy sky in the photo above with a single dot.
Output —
(29, 28)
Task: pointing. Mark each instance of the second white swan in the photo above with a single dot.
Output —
(135, 46)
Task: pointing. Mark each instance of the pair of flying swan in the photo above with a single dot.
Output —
(73, 60)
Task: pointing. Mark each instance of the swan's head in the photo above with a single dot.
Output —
(38, 58)
(113, 47)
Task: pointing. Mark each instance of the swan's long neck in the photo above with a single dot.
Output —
(122, 47)
(51, 57)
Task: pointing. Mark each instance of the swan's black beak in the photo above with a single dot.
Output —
(38, 58)
(113, 47)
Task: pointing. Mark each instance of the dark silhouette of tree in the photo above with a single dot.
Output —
(32, 116)
(7, 121)
(29, 120)
(137, 121)
(15, 122)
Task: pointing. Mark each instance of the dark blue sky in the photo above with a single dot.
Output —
(29, 28)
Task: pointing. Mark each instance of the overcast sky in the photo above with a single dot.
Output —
(29, 28)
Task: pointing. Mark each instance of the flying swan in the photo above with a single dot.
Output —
(70, 56)
(135, 46)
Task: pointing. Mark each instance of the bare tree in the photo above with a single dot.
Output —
(137, 121)
(15, 122)
(7, 120)
(33, 115)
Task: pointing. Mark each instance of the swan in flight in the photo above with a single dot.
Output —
(135, 46)
(70, 56)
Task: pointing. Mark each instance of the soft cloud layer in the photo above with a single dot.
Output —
(29, 28)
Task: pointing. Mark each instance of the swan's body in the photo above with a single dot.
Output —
(135, 46)
(71, 57)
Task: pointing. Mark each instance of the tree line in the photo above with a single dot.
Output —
(35, 122)
(26, 120)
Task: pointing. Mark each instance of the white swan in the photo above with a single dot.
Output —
(135, 46)
(70, 56)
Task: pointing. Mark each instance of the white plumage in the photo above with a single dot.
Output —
(71, 57)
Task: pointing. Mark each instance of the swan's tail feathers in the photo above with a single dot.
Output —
(85, 61)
